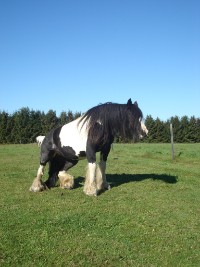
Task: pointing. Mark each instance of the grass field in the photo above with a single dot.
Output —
(150, 217)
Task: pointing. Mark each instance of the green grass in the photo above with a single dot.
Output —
(150, 217)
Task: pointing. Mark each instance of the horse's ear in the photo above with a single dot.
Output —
(135, 103)
(129, 103)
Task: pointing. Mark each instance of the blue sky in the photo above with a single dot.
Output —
(73, 55)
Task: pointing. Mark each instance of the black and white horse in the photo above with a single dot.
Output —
(93, 132)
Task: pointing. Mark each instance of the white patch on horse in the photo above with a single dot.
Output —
(74, 135)
(99, 122)
(144, 129)
(39, 139)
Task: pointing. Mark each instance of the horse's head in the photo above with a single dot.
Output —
(140, 130)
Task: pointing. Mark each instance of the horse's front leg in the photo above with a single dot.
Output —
(45, 156)
(90, 188)
(101, 181)
(37, 184)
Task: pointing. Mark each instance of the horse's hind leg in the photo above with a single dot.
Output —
(67, 180)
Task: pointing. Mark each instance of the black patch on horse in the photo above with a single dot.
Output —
(110, 119)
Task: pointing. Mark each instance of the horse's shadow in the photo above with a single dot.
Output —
(118, 179)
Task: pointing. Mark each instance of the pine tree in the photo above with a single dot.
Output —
(70, 116)
(193, 130)
(176, 129)
(150, 124)
(21, 124)
(63, 118)
(3, 127)
(35, 126)
(160, 134)
(184, 128)
(49, 121)
(198, 130)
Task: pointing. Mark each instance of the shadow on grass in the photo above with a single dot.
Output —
(79, 182)
(118, 179)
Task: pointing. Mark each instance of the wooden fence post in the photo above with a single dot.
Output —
(172, 140)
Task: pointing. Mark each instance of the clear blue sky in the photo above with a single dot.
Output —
(74, 54)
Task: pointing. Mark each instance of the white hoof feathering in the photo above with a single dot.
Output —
(37, 186)
(101, 181)
(90, 190)
(66, 180)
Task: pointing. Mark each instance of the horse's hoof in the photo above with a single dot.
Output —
(67, 187)
(91, 193)
(104, 188)
(36, 189)
(66, 180)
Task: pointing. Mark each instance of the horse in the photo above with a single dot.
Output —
(92, 132)
(39, 139)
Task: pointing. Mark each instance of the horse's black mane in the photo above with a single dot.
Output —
(111, 119)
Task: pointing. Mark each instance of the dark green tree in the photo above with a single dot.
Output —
(49, 121)
(198, 129)
(77, 115)
(70, 116)
(176, 129)
(184, 130)
(35, 126)
(4, 117)
(161, 132)
(151, 126)
(63, 119)
(20, 131)
(193, 134)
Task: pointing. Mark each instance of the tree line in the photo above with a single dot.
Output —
(24, 125)
(185, 130)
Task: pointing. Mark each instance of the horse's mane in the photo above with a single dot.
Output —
(111, 119)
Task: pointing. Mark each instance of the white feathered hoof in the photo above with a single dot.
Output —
(37, 186)
(90, 190)
(103, 187)
(66, 180)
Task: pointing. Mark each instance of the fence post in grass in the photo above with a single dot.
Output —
(172, 140)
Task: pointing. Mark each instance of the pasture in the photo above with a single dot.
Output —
(150, 217)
